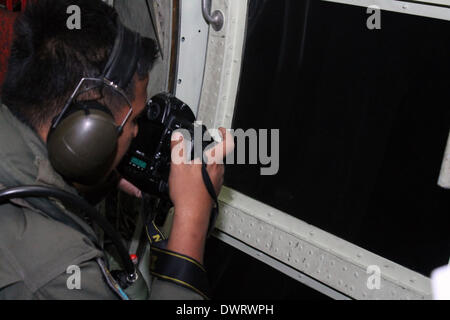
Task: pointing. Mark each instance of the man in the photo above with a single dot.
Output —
(37, 244)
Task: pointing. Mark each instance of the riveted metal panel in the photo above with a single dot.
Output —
(223, 65)
(281, 267)
(326, 258)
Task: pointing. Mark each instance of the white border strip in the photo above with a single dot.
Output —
(425, 10)
(444, 176)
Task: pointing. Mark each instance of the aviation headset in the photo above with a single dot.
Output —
(83, 138)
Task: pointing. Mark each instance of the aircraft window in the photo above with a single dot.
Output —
(363, 117)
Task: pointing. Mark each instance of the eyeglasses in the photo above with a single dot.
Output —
(103, 81)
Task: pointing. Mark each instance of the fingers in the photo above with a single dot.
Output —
(129, 188)
(222, 149)
(177, 148)
(215, 154)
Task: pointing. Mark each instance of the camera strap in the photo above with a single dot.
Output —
(210, 187)
(177, 268)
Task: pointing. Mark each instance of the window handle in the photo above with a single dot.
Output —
(215, 19)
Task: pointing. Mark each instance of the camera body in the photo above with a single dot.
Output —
(147, 162)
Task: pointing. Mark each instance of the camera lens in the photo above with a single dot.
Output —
(154, 111)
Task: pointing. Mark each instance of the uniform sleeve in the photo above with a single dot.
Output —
(176, 276)
(165, 290)
(87, 284)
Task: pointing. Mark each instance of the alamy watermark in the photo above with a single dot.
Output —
(74, 280)
(74, 20)
(263, 148)
(374, 20)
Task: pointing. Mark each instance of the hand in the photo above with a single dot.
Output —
(191, 199)
(94, 194)
(129, 188)
(186, 185)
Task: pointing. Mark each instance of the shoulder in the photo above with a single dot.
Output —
(35, 249)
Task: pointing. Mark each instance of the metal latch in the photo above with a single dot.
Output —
(216, 19)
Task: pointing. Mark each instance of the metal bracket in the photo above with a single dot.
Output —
(216, 19)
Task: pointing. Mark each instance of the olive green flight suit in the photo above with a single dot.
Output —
(41, 240)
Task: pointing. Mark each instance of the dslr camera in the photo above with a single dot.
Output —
(147, 162)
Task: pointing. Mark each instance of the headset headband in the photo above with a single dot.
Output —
(119, 69)
(122, 63)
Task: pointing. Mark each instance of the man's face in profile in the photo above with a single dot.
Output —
(130, 130)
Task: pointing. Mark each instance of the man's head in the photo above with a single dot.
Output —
(48, 60)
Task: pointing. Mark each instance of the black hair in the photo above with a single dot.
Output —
(48, 59)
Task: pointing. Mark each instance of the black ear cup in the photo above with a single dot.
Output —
(83, 145)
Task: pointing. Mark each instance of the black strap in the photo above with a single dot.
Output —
(180, 269)
(215, 209)
(174, 267)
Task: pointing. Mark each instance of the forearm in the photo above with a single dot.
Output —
(188, 233)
